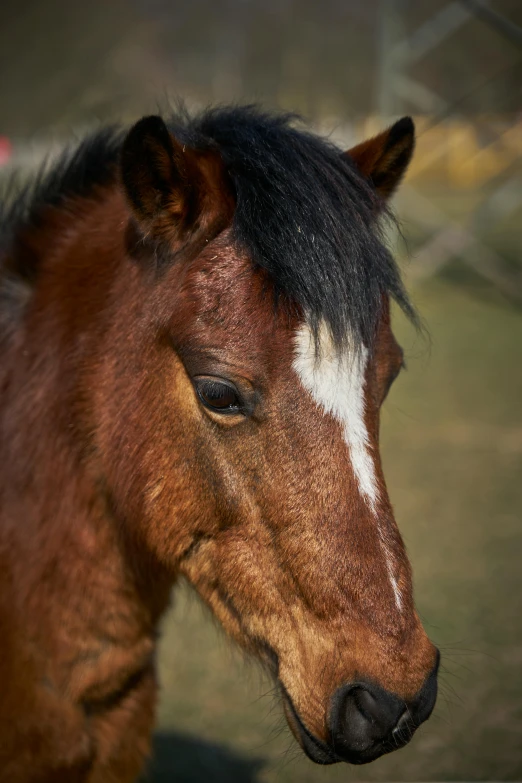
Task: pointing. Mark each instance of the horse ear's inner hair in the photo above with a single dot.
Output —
(303, 212)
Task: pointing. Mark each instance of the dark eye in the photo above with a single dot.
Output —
(389, 383)
(219, 396)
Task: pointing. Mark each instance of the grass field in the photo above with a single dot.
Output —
(452, 445)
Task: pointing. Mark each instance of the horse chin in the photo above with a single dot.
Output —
(316, 750)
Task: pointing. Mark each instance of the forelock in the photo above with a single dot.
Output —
(306, 216)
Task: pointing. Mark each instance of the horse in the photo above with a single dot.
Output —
(196, 342)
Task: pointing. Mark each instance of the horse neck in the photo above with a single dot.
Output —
(53, 504)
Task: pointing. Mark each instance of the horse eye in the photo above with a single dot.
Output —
(218, 395)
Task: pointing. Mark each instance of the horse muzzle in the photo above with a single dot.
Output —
(365, 722)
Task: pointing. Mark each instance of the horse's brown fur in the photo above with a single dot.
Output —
(116, 481)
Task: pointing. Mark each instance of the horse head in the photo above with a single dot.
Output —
(244, 444)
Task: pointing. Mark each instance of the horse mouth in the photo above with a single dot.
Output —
(316, 750)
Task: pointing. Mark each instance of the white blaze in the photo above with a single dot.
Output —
(336, 382)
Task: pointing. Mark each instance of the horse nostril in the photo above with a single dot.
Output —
(367, 721)
(360, 718)
(403, 731)
(363, 716)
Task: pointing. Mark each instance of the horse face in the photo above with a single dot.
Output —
(260, 480)
(293, 544)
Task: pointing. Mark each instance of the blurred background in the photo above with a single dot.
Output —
(452, 426)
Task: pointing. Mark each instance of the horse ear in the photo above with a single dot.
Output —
(384, 159)
(175, 191)
(153, 169)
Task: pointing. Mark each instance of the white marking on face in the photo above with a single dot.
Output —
(389, 567)
(336, 382)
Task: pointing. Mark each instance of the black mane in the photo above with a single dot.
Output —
(303, 212)
(79, 170)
